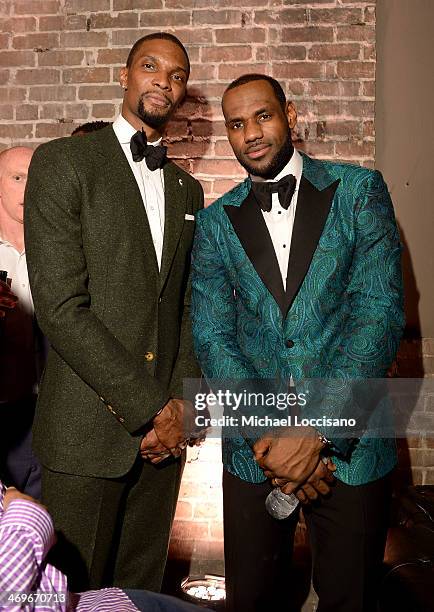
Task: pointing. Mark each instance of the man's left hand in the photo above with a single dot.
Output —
(289, 456)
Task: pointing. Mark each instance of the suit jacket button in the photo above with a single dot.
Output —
(149, 356)
(289, 343)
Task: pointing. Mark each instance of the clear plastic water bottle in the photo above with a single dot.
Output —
(280, 505)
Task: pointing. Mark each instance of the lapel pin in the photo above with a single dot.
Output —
(180, 182)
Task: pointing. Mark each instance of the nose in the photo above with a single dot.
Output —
(161, 79)
(252, 131)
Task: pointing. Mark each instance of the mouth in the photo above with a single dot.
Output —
(158, 100)
(257, 151)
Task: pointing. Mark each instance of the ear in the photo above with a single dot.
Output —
(291, 114)
(123, 77)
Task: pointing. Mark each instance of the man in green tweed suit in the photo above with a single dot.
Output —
(109, 230)
(296, 275)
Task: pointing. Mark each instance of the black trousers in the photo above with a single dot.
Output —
(113, 532)
(347, 531)
(18, 465)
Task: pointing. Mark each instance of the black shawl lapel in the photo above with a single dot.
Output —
(313, 207)
(175, 204)
(250, 227)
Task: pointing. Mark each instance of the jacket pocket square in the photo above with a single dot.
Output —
(189, 217)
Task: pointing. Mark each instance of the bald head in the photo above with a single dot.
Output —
(14, 166)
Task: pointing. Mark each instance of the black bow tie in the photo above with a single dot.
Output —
(155, 156)
(285, 188)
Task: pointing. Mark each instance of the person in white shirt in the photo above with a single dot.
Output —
(20, 338)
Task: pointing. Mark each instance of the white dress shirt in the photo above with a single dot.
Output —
(150, 183)
(18, 374)
(280, 222)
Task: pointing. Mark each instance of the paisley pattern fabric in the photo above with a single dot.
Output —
(345, 321)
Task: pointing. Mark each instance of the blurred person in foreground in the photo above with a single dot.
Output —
(109, 232)
(26, 536)
(21, 343)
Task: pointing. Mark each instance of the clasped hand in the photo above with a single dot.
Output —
(8, 300)
(294, 463)
(171, 432)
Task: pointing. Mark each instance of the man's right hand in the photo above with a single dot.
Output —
(318, 483)
(8, 300)
(174, 424)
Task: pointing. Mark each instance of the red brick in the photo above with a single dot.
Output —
(226, 54)
(217, 17)
(18, 25)
(152, 19)
(16, 130)
(207, 186)
(207, 90)
(194, 35)
(291, 16)
(369, 129)
(33, 41)
(333, 89)
(370, 52)
(298, 70)
(287, 52)
(353, 16)
(4, 40)
(26, 112)
(7, 112)
(361, 33)
(103, 111)
(341, 128)
(202, 72)
(127, 37)
(12, 95)
(295, 88)
(207, 510)
(206, 128)
(216, 531)
(76, 111)
(52, 94)
(233, 71)
(368, 89)
(53, 130)
(217, 167)
(113, 56)
(369, 14)
(75, 22)
(319, 149)
(189, 150)
(327, 107)
(86, 75)
(125, 5)
(307, 34)
(37, 77)
(355, 149)
(17, 58)
(99, 92)
(36, 7)
(184, 510)
(330, 52)
(52, 23)
(83, 39)
(190, 530)
(361, 108)
(52, 111)
(225, 185)
(107, 21)
(354, 70)
(223, 149)
(245, 35)
(60, 58)
(77, 6)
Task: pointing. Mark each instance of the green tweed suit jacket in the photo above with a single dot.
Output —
(119, 329)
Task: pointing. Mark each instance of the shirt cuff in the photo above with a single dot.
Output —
(26, 515)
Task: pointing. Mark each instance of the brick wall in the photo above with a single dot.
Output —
(59, 64)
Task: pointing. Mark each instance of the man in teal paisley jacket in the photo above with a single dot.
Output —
(296, 274)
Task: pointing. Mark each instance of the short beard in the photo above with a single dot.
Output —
(154, 121)
(275, 165)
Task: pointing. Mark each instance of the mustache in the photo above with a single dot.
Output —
(159, 93)
(256, 145)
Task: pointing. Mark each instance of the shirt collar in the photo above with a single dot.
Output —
(124, 131)
(294, 167)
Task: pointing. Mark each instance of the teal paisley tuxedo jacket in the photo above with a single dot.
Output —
(341, 315)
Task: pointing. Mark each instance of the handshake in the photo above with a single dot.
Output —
(172, 430)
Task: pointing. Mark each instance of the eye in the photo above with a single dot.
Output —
(264, 117)
(148, 66)
(17, 178)
(237, 125)
(178, 77)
